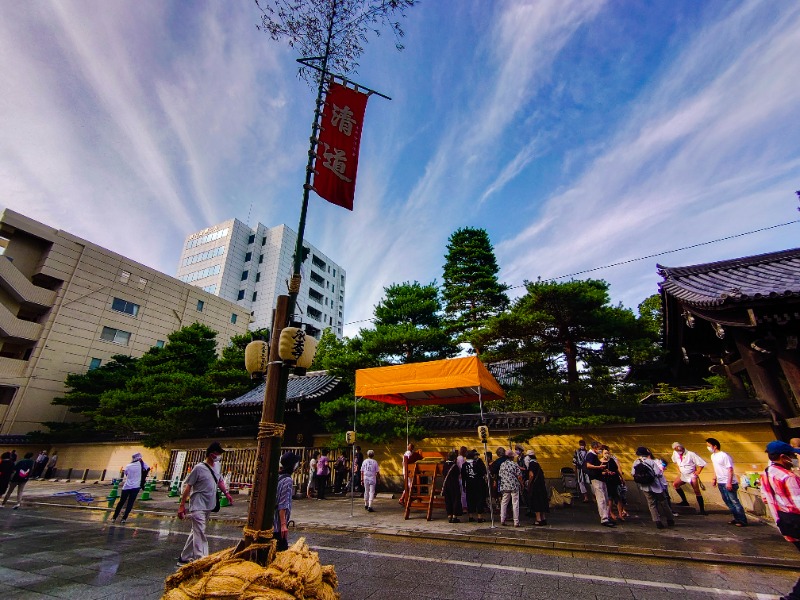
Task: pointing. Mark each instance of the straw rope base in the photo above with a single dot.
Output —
(293, 574)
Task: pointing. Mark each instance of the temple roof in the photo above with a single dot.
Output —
(735, 281)
(312, 385)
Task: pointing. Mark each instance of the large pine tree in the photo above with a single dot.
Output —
(471, 291)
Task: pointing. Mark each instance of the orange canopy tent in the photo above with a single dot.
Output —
(449, 381)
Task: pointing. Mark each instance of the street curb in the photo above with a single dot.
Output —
(553, 545)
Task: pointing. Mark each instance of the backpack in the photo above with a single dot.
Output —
(643, 474)
(143, 480)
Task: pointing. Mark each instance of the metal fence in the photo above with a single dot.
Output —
(239, 464)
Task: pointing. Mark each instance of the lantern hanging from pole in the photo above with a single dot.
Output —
(256, 357)
(297, 348)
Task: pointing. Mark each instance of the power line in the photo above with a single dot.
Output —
(632, 260)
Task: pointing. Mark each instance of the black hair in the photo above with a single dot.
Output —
(714, 442)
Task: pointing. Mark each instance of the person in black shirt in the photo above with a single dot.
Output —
(596, 469)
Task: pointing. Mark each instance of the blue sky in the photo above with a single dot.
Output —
(577, 133)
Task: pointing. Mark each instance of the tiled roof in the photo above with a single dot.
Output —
(739, 280)
(454, 422)
(701, 412)
(309, 386)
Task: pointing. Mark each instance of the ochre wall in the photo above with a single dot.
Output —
(745, 442)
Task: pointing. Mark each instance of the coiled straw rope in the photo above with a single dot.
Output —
(293, 574)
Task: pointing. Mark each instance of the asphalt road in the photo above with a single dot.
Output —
(50, 552)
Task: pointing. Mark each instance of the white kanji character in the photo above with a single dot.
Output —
(343, 119)
(336, 161)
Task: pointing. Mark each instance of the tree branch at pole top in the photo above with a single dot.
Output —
(334, 76)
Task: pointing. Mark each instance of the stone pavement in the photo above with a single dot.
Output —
(574, 528)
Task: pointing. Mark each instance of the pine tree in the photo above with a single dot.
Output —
(472, 294)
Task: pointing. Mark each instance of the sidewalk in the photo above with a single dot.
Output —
(574, 528)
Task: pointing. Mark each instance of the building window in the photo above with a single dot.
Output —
(233, 318)
(211, 289)
(316, 278)
(261, 259)
(203, 239)
(195, 275)
(334, 272)
(318, 262)
(241, 295)
(200, 305)
(245, 275)
(255, 295)
(314, 313)
(159, 343)
(248, 257)
(201, 256)
(264, 241)
(142, 283)
(252, 238)
(117, 336)
(258, 277)
(95, 363)
(124, 276)
(123, 306)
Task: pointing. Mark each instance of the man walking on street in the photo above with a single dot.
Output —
(200, 488)
(780, 490)
(369, 479)
(596, 470)
(689, 466)
(579, 460)
(725, 481)
(41, 463)
(135, 474)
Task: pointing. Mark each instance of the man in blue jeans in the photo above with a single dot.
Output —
(725, 480)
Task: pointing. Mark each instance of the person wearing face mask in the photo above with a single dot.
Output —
(200, 489)
(795, 443)
(283, 500)
(725, 481)
(780, 490)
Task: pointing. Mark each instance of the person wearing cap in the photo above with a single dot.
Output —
(780, 490)
(283, 500)
(654, 490)
(200, 489)
(689, 466)
(135, 473)
(725, 482)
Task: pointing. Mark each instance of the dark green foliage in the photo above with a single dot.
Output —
(376, 422)
(574, 344)
(408, 326)
(471, 292)
(228, 376)
(342, 358)
(718, 390)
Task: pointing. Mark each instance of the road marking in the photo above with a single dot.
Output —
(561, 574)
(448, 561)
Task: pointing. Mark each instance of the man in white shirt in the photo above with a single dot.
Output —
(725, 480)
(130, 489)
(200, 488)
(369, 479)
(690, 466)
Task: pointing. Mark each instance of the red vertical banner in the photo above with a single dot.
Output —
(337, 150)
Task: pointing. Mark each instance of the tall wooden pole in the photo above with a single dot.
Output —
(265, 487)
(262, 500)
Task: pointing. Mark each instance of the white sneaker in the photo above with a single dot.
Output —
(16, 506)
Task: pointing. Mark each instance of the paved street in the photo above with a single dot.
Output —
(62, 551)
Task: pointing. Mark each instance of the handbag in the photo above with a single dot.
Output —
(216, 483)
(788, 523)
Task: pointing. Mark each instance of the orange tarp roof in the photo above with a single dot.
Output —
(450, 381)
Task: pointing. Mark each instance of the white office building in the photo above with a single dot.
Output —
(252, 266)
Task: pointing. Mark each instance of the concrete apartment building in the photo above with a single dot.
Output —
(252, 266)
(67, 306)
